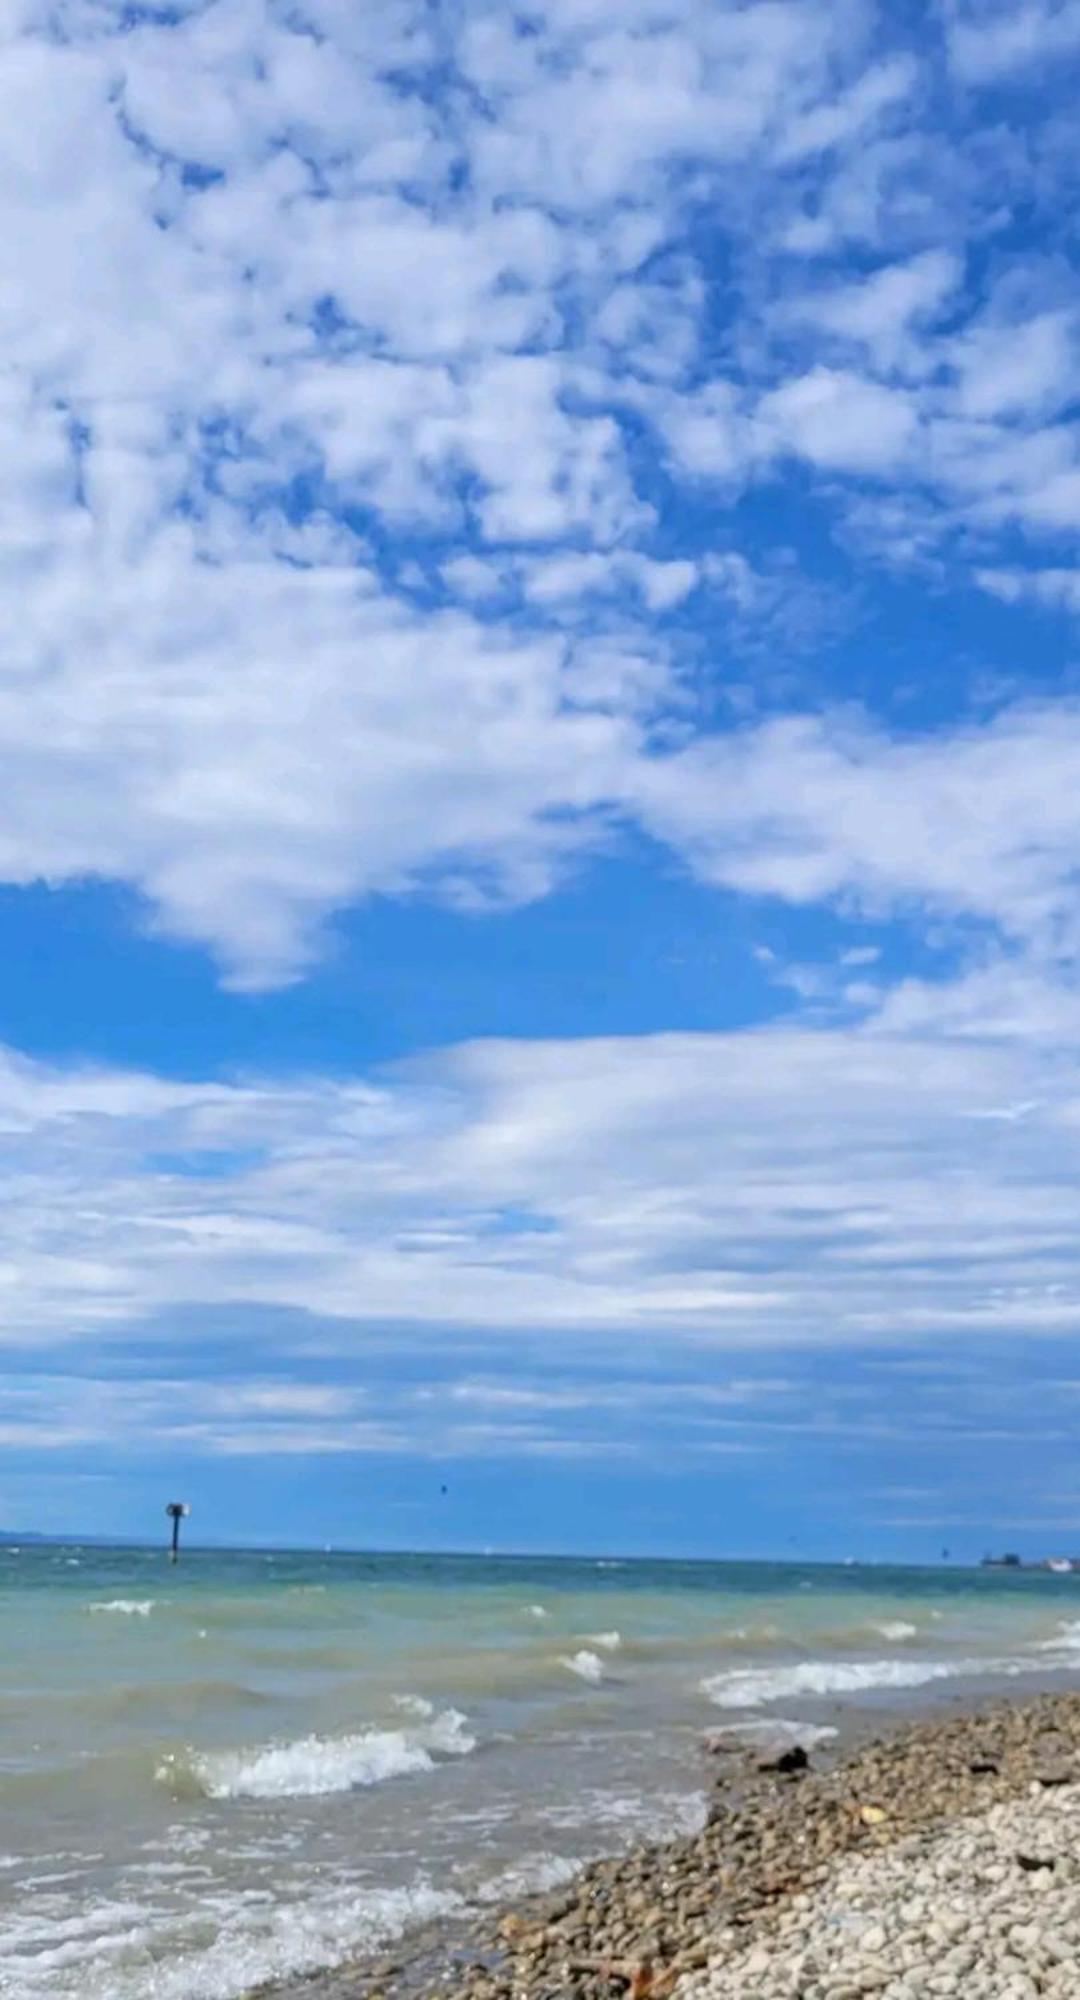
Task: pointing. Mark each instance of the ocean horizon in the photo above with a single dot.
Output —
(194, 1545)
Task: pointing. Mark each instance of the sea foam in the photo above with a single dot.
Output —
(1066, 1639)
(780, 1730)
(587, 1666)
(127, 1607)
(315, 1765)
(114, 1954)
(752, 1687)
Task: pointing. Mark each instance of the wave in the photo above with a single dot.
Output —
(120, 1946)
(778, 1729)
(533, 1876)
(896, 1629)
(608, 1642)
(1066, 1639)
(128, 1607)
(416, 1705)
(587, 1666)
(314, 1766)
(753, 1687)
(537, 1611)
(632, 1816)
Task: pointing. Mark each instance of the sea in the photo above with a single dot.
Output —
(258, 1766)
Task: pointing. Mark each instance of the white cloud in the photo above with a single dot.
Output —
(708, 431)
(561, 579)
(979, 821)
(1011, 369)
(295, 349)
(775, 1187)
(1058, 588)
(878, 312)
(840, 421)
(878, 91)
(989, 43)
(253, 743)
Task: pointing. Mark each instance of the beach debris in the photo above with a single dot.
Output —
(651, 1982)
(1031, 1863)
(872, 1815)
(984, 1767)
(787, 1762)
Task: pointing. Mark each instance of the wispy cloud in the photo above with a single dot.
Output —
(334, 407)
(830, 1186)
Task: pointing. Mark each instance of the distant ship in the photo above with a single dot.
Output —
(1058, 1565)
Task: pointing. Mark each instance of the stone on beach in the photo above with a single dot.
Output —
(948, 1913)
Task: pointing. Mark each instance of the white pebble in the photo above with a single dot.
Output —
(951, 1913)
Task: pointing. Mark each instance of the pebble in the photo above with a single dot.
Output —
(948, 1916)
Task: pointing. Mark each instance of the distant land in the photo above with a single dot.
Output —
(10, 1538)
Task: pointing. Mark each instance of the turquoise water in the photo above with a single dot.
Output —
(257, 1765)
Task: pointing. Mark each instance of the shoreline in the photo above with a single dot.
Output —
(776, 1830)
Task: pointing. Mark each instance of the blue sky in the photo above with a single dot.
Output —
(540, 761)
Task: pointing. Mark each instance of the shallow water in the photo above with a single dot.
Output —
(257, 1765)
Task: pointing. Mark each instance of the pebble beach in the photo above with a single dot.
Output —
(939, 1857)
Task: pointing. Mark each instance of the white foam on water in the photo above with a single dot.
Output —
(782, 1730)
(119, 1955)
(313, 1766)
(537, 1611)
(414, 1704)
(1066, 1639)
(753, 1687)
(587, 1666)
(896, 1629)
(609, 1642)
(127, 1607)
(663, 1816)
(533, 1876)
(632, 1816)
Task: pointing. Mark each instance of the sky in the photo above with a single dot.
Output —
(540, 773)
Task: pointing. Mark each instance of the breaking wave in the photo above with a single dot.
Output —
(752, 1687)
(587, 1666)
(129, 1607)
(316, 1765)
(123, 1953)
(1066, 1639)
